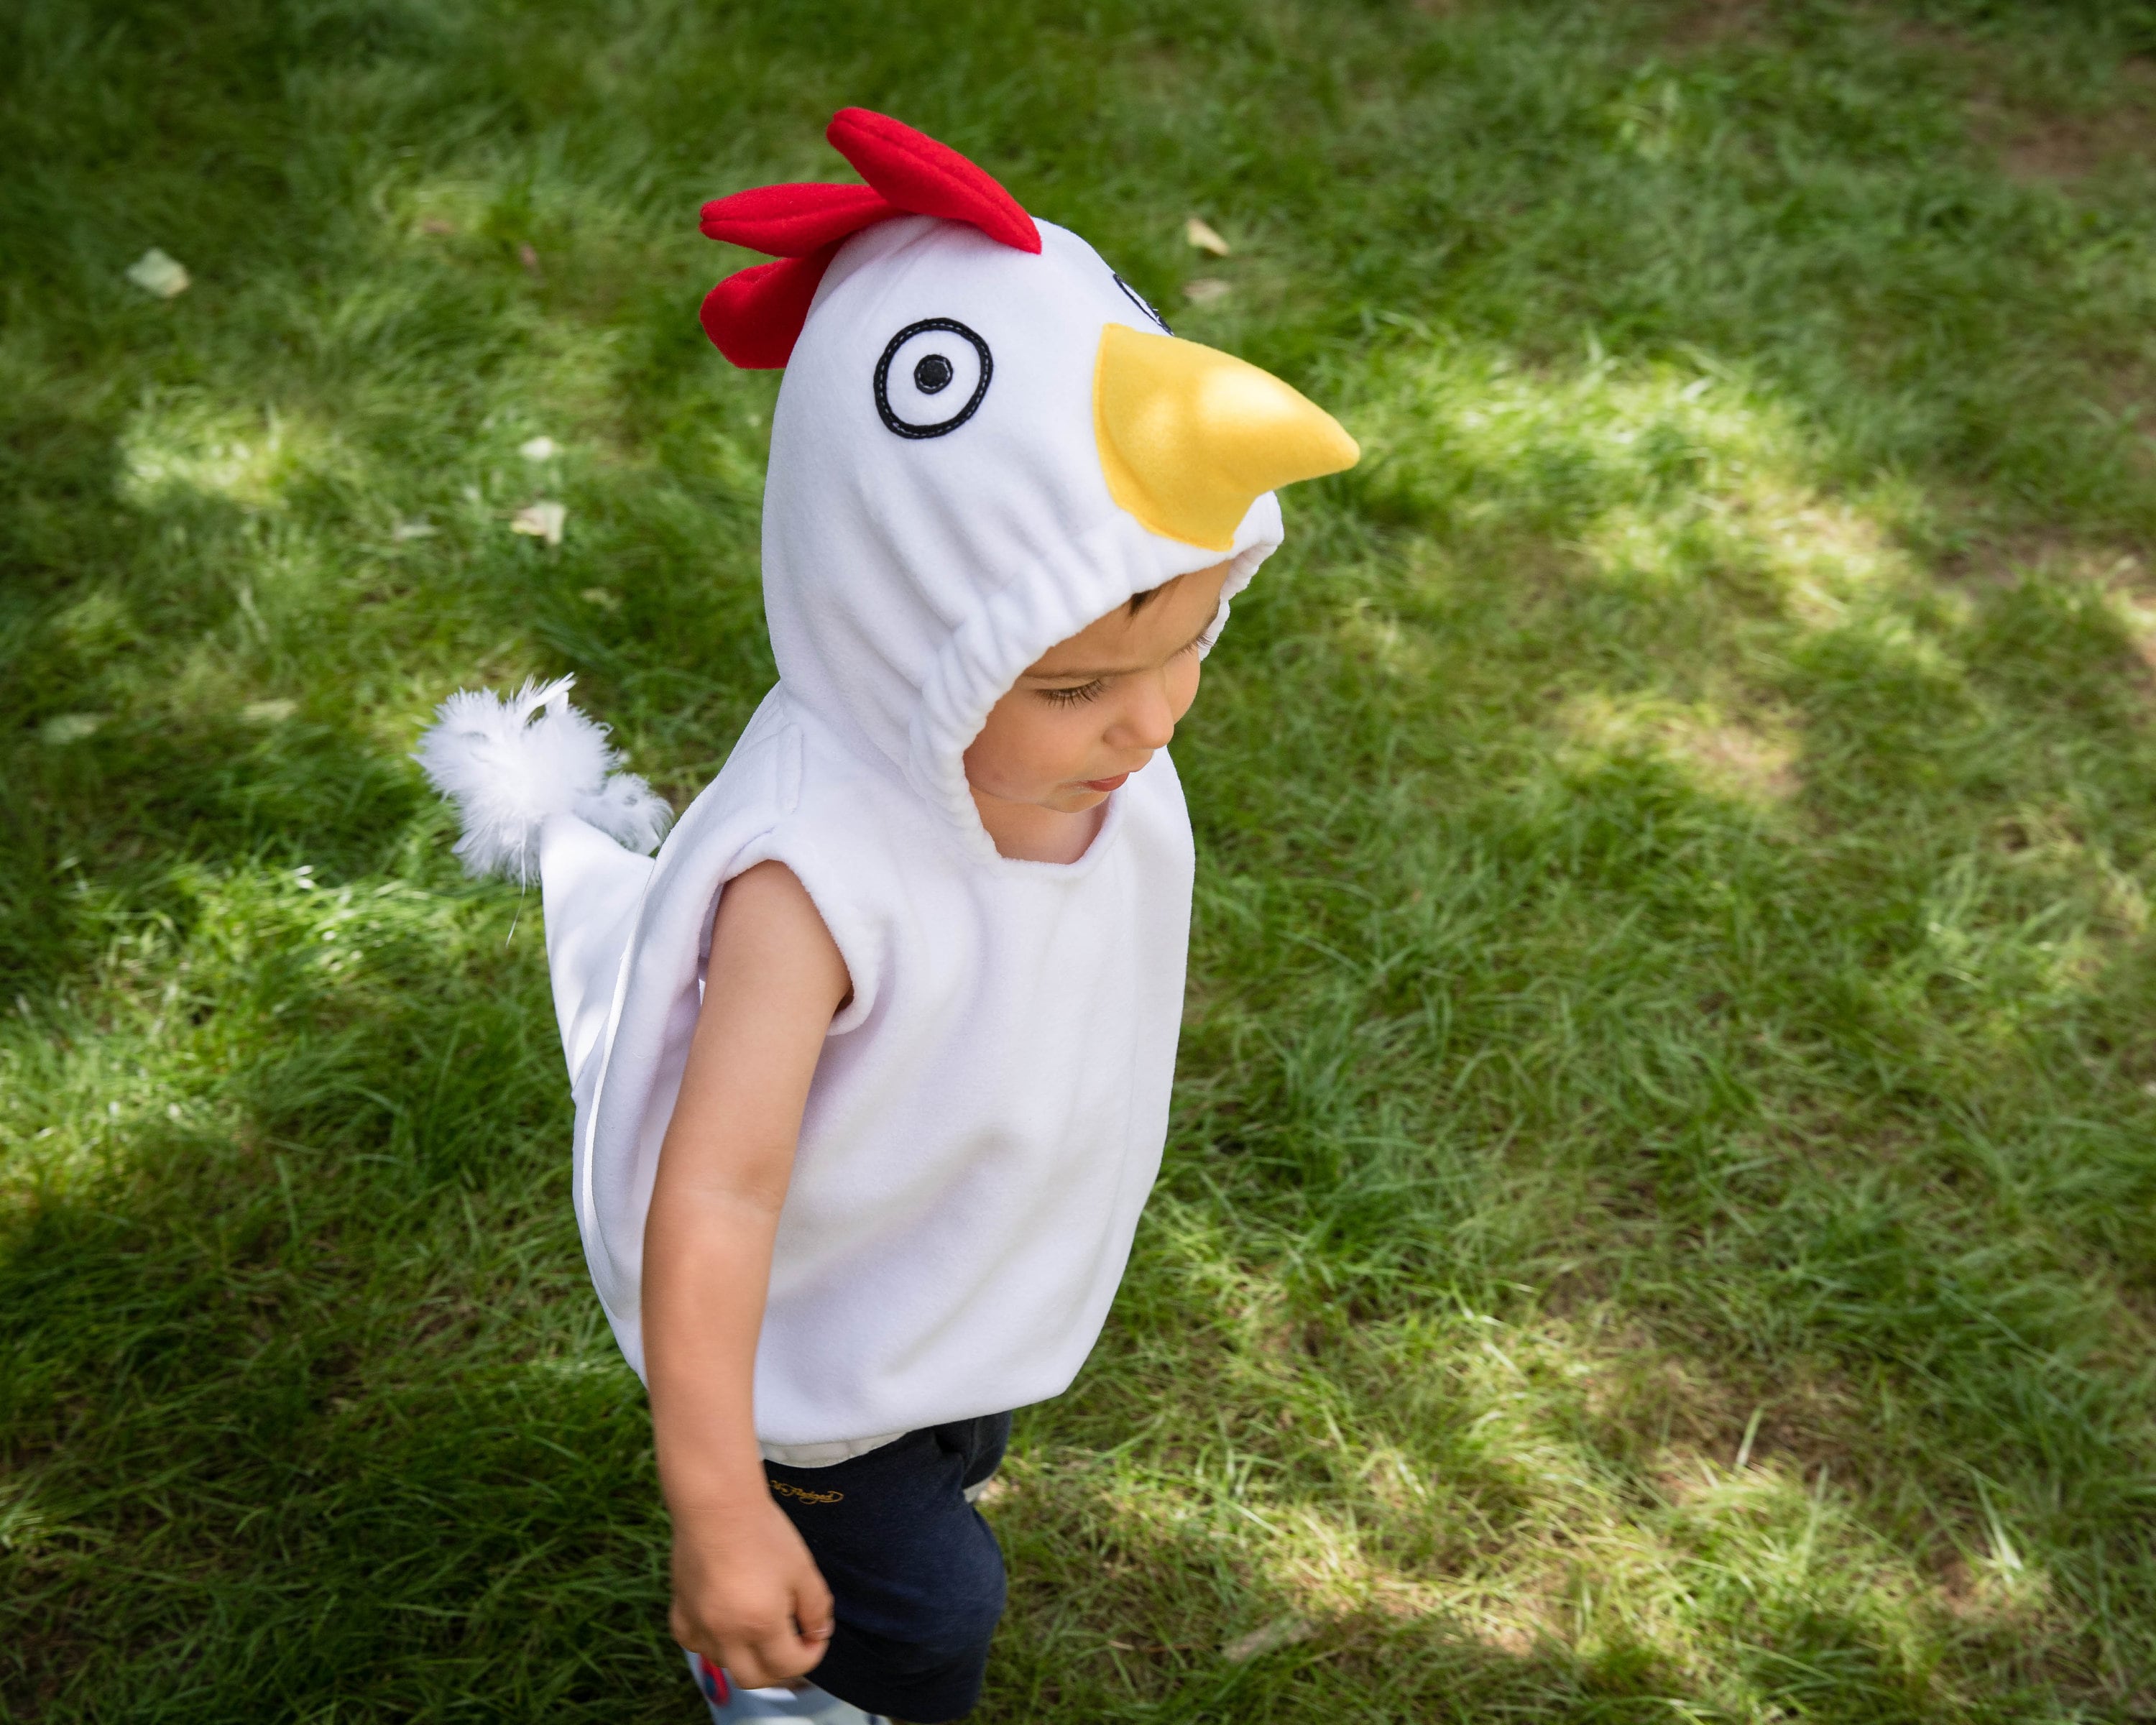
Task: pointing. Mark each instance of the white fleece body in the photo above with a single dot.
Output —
(988, 1114)
(988, 1111)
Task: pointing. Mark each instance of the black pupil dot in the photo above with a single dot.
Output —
(932, 374)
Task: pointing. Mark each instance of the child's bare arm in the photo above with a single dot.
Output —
(746, 1592)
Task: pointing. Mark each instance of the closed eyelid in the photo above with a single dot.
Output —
(1203, 638)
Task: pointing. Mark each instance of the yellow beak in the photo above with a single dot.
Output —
(1190, 437)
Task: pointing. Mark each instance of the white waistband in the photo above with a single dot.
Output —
(829, 1455)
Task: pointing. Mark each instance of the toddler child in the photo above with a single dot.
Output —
(871, 1062)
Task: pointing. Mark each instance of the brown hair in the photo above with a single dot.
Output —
(1140, 600)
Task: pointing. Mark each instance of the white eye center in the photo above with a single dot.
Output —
(931, 377)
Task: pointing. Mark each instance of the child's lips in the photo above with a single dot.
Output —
(1105, 785)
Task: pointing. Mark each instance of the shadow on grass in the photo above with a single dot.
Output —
(1231, 1575)
(304, 1389)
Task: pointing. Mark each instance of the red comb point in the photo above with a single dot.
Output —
(755, 315)
(917, 173)
(792, 221)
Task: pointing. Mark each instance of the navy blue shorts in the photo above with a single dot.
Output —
(916, 1574)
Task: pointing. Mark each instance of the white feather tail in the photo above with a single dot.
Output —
(508, 764)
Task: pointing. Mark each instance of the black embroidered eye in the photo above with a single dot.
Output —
(923, 361)
(1143, 304)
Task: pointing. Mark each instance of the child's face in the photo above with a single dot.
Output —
(1090, 711)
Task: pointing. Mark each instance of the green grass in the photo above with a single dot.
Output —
(1661, 1218)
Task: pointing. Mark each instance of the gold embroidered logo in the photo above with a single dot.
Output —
(806, 1497)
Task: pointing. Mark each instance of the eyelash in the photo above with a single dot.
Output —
(1092, 691)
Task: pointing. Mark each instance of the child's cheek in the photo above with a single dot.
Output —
(1183, 685)
(1057, 744)
(1078, 738)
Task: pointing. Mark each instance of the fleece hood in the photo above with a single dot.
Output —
(985, 439)
(936, 516)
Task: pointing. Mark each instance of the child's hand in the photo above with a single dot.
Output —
(748, 1597)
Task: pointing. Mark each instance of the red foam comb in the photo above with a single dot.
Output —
(919, 175)
(755, 315)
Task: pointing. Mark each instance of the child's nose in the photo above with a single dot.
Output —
(1149, 722)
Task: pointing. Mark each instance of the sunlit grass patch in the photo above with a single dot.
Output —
(179, 449)
(1735, 1567)
(1461, 431)
(1754, 762)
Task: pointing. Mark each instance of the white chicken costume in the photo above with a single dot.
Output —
(984, 441)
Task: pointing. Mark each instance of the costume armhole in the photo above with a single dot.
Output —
(841, 921)
(855, 950)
